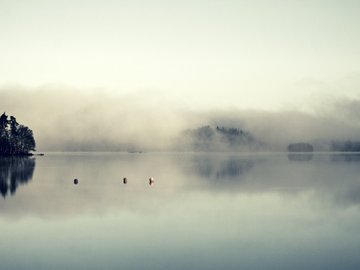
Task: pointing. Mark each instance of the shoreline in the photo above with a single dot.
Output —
(22, 155)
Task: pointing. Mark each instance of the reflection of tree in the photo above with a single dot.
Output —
(15, 171)
(301, 157)
(231, 167)
(203, 166)
(346, 157)
(234, 167)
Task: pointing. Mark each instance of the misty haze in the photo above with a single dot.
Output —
(65, 120)
(161, 135)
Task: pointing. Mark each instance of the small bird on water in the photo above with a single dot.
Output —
(76, 181)
(125, 180)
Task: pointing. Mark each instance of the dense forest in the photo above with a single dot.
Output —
(15, 139)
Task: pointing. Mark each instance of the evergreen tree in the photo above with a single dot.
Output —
(3, 122)
(4, 138)
(15, 139)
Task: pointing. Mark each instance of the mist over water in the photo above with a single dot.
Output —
(65, 119)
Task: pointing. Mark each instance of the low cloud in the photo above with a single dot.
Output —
(67, 119)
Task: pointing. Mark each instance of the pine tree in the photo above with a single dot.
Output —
(15, 139)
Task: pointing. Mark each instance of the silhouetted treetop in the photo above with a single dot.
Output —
(15, 139)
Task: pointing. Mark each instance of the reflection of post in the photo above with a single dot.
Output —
(15, 171)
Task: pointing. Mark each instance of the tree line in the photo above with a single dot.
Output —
(15, 139)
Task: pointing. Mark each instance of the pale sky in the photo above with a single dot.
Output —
(207, 54)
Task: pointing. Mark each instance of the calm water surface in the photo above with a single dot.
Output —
(205, 211)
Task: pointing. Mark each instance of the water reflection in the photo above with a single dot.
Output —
(346, 157)
(291, 215)
(301, 157)
(102, 184)
(330, 176)
(215, 167)
(350, 197)
(233, 168)
(15, 171)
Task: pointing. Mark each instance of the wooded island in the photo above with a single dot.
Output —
(15, 139)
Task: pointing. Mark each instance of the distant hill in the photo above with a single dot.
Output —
(217, 138)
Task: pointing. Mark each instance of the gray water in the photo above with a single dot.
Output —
(204, 211)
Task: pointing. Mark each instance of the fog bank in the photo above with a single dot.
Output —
(64, 119)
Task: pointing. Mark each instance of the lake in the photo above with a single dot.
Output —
(203, 211)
